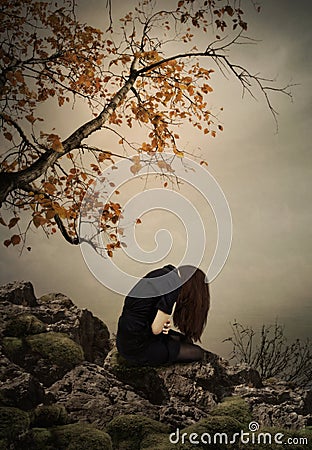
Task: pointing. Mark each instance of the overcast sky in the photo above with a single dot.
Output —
(266, 177)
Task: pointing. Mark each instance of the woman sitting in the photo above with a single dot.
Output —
(144, 336)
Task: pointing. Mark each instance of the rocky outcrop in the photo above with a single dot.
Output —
(65, 388)
(55, 313)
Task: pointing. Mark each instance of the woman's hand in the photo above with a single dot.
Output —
(167, 326)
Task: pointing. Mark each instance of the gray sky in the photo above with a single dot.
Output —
(265, 175)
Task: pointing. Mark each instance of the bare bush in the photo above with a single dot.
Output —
(269, 352)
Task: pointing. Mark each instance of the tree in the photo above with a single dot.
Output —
(126, 79)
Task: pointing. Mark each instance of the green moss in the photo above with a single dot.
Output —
(36, 439)
(57, 347)
(13, 348)
(48, 416)
(81, 437)
(23, 325)
(58, 298)
(211, 426)
(13, 422)
(234, 407)
(130, 431)
(157, 441)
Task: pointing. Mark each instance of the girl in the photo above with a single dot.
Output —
(144, 336)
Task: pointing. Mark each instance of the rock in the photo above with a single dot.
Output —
(91, 394)
(144, 380)
(24, 325)
(133, 432)
(52, 367)
(61, 315)
(48, 416)
(206, 433)
(48, 356)
(234, 407)
(66, 437)
(278, 404)
(17, 387)
(18, 293)
(13, 422)
(21, 315)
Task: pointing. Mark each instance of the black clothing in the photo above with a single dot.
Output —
(135, 339)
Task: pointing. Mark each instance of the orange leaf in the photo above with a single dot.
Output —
(30, 118)
(138, 221)
(50, 214)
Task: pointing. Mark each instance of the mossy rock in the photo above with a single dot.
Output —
(144, 379)
(79, 436)
(56, 298)
(14, 349)
(58, 348)
(36, 439)
(210, 432)
(234, 407)
(48, 416)
(13, 422)
(130, 431)
(157, 441)
(24, 325)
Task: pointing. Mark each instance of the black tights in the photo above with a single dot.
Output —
(188, 351)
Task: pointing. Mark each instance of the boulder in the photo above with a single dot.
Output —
(47, 356)
(91, 394)
(21, 314)
(67, 437)
(18, 293)
(18, 388)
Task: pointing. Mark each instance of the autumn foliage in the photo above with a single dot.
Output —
(126, 79)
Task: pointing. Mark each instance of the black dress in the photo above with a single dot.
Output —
(135, 339)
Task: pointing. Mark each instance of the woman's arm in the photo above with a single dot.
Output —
(160, 319)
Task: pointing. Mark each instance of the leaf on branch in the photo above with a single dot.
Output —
(15, 239)
(13, 222)
(2, 222)
(178, 152)
(30, 118)
(39, 221)
(135, 168)
(55, 142)
(7, 242)
(50, 213)
(8, 136)
(164, 165)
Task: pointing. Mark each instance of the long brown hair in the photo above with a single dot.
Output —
(193, 302)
